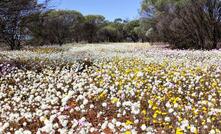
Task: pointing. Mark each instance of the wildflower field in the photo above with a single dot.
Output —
(129, 88)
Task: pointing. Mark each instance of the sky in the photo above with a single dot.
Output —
(111, 9)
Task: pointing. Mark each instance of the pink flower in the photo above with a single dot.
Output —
(81, 123)
(67, 107)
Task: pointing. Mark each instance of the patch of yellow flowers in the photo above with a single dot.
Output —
(175, 91)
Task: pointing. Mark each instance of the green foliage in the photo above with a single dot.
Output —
(32, 25)
(160, 5)
(92, 23)
(56, 26)
(108, 33)
(63, 26)
(13, 16)
(94, 19)
(183, 23)
(131, 27)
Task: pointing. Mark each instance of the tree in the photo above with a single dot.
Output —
(213, 12)
(186, 24)
(56, 27)
(119, 24)
(108, 34)
(118, 20)
(37, 29)
(130, 29)
(152, 11)
(12, 15)
(141, 34)
(77, 26)
(59, 24)
(92, 24)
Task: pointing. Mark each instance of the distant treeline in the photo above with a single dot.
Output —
(65, 26)
(181, 23)
(28, 22)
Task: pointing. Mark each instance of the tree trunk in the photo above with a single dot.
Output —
(60, 42)
(15, 45)
(214, 38)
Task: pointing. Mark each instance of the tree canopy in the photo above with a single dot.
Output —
(13, 14)
(183, 23)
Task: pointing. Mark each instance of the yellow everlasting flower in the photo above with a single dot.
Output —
(144, 112)
(127, 132)
(179, 131)
(150, 102)
(128, 122)
(114, 100)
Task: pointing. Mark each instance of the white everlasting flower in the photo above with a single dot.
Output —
(118, 124)
(82, 106)
(18, 132)
(55, 126)
(212, 131)
(167, 119)
(63, 120)
(170, 110)
(27, 132)
(74, 123)
(168, 104)
(135, 109)
(85, 101)
(63, 131)
(124, 112)
(132, 75)
(133, 131)
(140, 74)
(92, 129)
(136, 121)
(111, 126)
(25, 123)
(114, 121)
(91, 106)
(143, 127)
(104, 104)
(48, 128)
(77, 108)
(205, 126)
(6, 125)
(104, 125)
(120, 115)
(175, 105)
(118, 104)
(150, 129)
(192, 128)
(184, 124)
(59, 85)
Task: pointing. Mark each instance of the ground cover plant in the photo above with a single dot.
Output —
(129, 88)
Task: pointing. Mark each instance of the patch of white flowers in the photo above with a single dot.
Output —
(151, 90)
